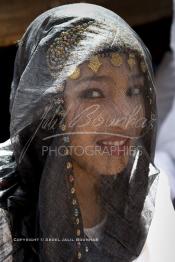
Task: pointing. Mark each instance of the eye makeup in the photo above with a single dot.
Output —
(91, 93)
(134, 91)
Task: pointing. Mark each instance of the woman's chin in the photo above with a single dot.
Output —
(110, 168)
(111, 171)
(102, 165)
(112, 165)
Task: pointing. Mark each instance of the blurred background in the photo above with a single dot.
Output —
(150, 19)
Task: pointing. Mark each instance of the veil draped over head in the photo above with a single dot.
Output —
(53, 47)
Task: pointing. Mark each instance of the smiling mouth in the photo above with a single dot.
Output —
(116, 146)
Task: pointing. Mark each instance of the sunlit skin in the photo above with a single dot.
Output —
(114, 93)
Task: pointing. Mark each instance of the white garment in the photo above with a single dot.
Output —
(160, 243)
(161, 236)
(165, 77)
(165, 86)
(165, 81)
(165, 149)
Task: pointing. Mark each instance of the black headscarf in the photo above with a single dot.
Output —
(56, 43)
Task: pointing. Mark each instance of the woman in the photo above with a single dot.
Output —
(82, 183)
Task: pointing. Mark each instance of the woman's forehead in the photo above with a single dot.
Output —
(105, 69)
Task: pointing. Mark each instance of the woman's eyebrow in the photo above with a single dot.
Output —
(136, 80)
(96, 78)
(135, 76)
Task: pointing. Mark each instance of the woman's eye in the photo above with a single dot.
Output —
(134, 91)
(92, 93)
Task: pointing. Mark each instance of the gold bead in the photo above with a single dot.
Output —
(131, 61)
(79, 255)
(143, 66)
(86, 249)
(66, 152)
(78, 232)
(63, 127)
(69, 165)
(74, 202)
(72, 190)
(61, 113)
(77, 220)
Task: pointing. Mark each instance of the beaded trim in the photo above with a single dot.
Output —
(58, 52)
(116, 60)
(131, 61)
(76, 214)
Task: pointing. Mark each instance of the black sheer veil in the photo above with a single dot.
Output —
(54, 45)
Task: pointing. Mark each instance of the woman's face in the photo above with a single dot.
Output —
(104, 115)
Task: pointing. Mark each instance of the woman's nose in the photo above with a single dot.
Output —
(124, 116)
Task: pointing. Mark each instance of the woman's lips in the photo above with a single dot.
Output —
(115, 146)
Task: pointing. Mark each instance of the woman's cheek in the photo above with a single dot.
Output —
(82, 118)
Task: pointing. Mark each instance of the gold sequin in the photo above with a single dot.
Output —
(69, 165)
(66, 152)
(76, 74)
(94, 64)
(61, 113)
(74, 202)
(116, 59)
(63, 127)
(78, 232)
(79, 255)
(143, 66)
(77, 220)
(72, 190)
(131, 61)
